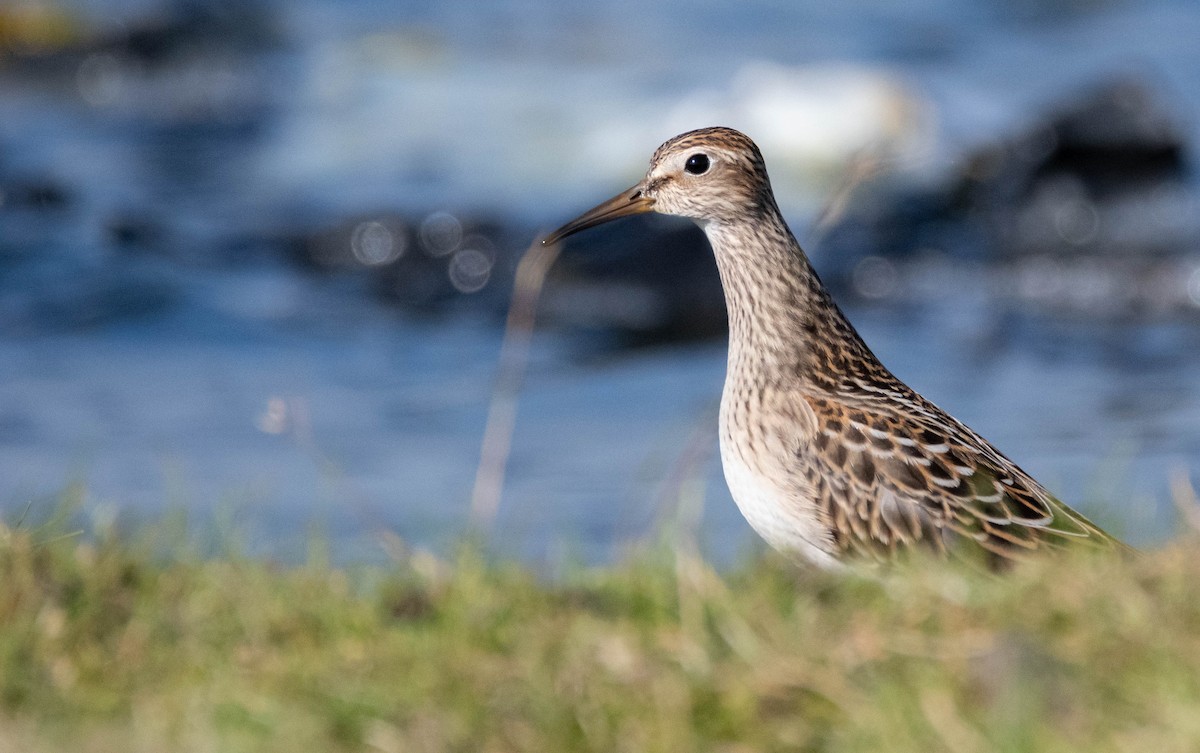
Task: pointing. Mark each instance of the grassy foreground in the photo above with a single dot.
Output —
(104, 647)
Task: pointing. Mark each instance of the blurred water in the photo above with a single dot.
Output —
(159, 342)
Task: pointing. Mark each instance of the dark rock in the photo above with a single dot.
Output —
(650, 278)
(1069, 184)
(156, 39)
(39, 194)
(135, 232)
(1119, 139)
(1100, 185)
(422, 264)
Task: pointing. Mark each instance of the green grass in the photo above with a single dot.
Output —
(107, 646)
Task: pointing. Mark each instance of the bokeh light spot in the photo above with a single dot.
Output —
(469, 270)
(374, 244)
(1193, 287)
(1077, 221)
(875, 277)
(441, 234)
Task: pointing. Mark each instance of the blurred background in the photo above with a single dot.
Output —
(255, 256)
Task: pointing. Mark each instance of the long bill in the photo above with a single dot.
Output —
(623, 204)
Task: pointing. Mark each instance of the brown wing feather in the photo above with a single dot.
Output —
(892, 470)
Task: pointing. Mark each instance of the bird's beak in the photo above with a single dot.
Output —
(632, 201)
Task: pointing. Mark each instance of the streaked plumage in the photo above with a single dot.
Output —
(825, 452)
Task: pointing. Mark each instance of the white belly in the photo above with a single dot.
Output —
(784, 516)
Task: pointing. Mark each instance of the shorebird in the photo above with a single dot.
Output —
(828, 455)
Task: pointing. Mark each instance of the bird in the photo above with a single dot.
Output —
(829, 457)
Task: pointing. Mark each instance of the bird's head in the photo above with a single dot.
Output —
(712, 175)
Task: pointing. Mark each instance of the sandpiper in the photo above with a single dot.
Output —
(826, 453)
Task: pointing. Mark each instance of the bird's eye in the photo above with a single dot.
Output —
(697, 164)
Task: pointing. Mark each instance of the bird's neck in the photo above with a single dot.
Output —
(783, 326)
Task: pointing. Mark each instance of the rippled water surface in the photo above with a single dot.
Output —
(177, 329)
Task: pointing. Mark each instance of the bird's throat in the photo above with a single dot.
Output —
(774, 297)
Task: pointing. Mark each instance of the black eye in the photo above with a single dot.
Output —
(697, 164)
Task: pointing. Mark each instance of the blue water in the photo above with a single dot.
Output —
(194, 366)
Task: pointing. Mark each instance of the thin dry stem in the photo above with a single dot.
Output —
(514, 357)
(860, 168)
(1183, 494)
